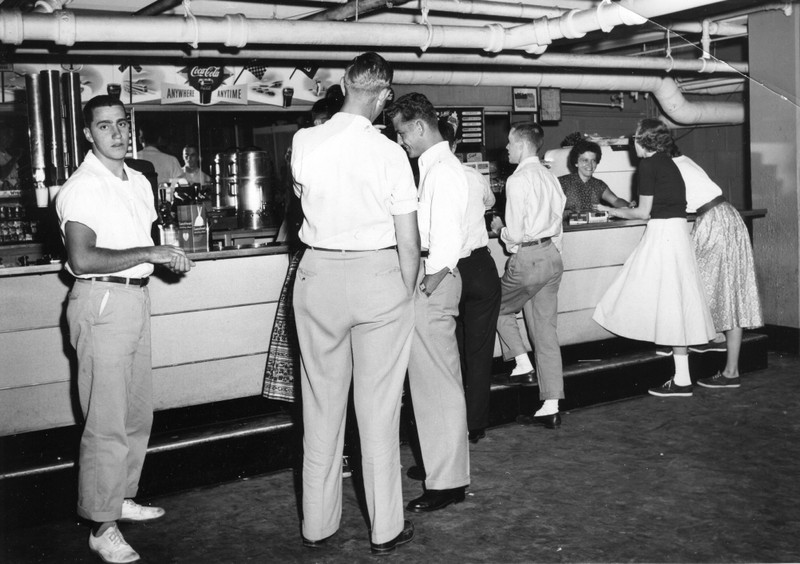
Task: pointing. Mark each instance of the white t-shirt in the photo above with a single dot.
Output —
(119, 212)
(351, 181)
(167, 167)
(700, 189)
(479, 200)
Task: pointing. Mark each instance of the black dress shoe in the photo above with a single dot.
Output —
(549, 421)
(315, 543)
(433, 500)
(416, 473)
(386, 547)
(476, 435)
(521, 379)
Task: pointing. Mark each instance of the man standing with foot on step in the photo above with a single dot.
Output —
(434, 369)
(105, 211)
(534, 211)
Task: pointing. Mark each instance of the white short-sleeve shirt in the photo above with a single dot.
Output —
(351, 181)
(120, 212)
(700, 189)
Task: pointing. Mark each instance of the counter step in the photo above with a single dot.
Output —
(253, 436)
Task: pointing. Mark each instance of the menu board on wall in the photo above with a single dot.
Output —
(469, 126)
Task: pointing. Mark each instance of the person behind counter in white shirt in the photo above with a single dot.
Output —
(167, 167)
(191, 170)
(353, 304)
(480, 299)
(534, 211)
(434, 369)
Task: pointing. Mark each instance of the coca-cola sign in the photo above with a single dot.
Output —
(205, 79)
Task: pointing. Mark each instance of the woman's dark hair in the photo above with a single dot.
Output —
(580, 148)
(654, 135)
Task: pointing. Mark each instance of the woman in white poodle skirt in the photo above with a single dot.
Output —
(658, 295)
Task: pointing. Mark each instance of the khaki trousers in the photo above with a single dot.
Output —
(354, 321)
(530, 283)
(437, 391)
(109, 326)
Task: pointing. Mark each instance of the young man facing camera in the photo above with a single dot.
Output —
(105, 211)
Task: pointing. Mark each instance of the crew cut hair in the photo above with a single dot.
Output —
(369, 73)
(529, 131)
(413, 106)
(100, 101)
(654, 135)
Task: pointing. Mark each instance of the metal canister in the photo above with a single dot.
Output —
(230, 178)
(253, 188)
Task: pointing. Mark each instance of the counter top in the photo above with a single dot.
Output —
(274, 249)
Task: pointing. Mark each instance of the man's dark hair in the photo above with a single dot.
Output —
(529, 131)
(414, 106)
(447, 131)
(100, 101)
(368, 74)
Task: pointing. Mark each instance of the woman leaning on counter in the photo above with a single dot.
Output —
(582, 189)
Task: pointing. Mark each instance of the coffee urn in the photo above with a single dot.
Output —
(254, 167)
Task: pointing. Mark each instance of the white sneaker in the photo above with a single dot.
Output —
(111, 546)
(132, 511)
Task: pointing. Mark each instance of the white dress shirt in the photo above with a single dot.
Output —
(167, 167)
(120, 212)
(442, 215)
(351, 180)
(479, 200)
(534, 205)
(700, 189)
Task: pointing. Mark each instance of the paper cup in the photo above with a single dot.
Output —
(42, 197)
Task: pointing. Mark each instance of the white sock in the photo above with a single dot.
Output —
(523, 364)
(548, 408)
(681, 377)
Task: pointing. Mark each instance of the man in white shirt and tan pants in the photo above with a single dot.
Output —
(534, 212)
(434, 369)
(353, 304)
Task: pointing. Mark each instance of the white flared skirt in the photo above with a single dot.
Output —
(658, 295)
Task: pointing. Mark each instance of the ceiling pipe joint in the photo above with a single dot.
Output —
(605, 19)
(568, 26)
(628, 16)
(497, 38)
(13, 27)
(237, 30)
(67, 28)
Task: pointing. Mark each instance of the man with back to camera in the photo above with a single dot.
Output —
(105, 213)
(167, 167)
(353, 306)
(434, 369)
(480, 299)
(534, 211)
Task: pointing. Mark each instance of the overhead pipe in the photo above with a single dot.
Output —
(785, 7)
(558, 60)
(665, 90)
(354, 8)
(158, 7)
(68, 28)
(516, 10)
(577, 23)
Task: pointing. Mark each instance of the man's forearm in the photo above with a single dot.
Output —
(99, 260)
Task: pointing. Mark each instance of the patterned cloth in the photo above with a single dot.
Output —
(582, 196)
(283, 355)
(725, 258)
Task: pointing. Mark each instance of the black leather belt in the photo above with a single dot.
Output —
(535, 242)
(351, 251)
(141, 282)
(710, 205)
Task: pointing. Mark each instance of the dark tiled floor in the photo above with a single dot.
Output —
(712, 478)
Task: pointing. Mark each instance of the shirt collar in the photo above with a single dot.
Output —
(100, 169)
(434, 153)
(527, 160)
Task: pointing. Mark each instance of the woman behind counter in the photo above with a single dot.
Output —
(582, 190)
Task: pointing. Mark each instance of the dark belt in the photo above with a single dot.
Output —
(118, 280)
(351, 251)
(710, 205)
(535, 242)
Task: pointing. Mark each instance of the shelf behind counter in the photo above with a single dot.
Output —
(211, 328)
